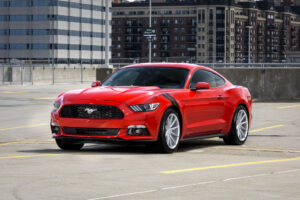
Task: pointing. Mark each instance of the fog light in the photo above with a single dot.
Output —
(55, 129)
(137, 130)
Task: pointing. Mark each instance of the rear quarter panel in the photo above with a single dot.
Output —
(235, 96)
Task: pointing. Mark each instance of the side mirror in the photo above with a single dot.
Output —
(96, 83)
(201, 86)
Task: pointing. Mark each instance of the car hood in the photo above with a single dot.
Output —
(128, 95)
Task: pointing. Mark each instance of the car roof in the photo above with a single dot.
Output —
(164, 64)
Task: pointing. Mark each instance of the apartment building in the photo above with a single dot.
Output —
(54, 31)
(206, 31)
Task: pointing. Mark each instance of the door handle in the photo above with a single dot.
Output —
(220, 97)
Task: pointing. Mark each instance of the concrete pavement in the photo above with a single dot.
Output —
(267, 166)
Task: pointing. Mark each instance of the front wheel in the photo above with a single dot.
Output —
(68, 145)
(239, 129)
(170, 132)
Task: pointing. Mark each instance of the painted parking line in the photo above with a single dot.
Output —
(254, 130)
(14, 92)
(35, 155)
(292, 106)
(266, 128)
(45, 98)
(26, 142)
(229, 165)
(175, 187)
(25, 126)
(257, 149)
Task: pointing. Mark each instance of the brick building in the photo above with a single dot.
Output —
(206, 31)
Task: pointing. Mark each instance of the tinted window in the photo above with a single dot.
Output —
(40, 46)
(2, 46)
(206, 76)
(163, 77)
(18, 31)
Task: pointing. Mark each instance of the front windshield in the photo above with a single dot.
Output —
(163, 77)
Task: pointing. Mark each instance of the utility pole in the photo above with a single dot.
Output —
(150, 25)
(106, 33)
(249, 44)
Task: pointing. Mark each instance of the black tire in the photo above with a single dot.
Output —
(161, 145)
(233, 137)
(68, 145)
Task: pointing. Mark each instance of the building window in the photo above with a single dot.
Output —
(18, 46)
(40, 46)
(201, 16)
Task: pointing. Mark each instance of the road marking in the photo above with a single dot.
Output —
(252, 131)
(266, 128)
(123, 195)
(196, 184)
(36, 155)
(257, 149)
(214, 138)
(287, 171)
(188, 185)
(14, 92)
(45, 98)
(26, 126)
(244, 177)
(292, 106)
(228, 165)
(26, 142)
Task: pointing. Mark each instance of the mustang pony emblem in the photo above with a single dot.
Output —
(90, 110)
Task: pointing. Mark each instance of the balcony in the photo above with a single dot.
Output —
(134, 25)
(191, 41)
(134, 33)
(165, 33)
(133, 41)
(165, 41)
(164, 24)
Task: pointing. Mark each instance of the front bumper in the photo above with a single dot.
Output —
(150, 120)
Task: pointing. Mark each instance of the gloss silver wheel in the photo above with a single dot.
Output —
(172, 131)
(242, 125)
(239, 128)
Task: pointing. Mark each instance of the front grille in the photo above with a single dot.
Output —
(91, 131)
(91, 111)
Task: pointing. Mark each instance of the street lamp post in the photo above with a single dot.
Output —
(249, 44)
(106, 33)
(150, 25)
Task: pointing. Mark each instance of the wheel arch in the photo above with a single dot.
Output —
(232, 116)
(177, 109)
(245, 106)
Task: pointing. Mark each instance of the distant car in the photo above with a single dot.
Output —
(161, 103)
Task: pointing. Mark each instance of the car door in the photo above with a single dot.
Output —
(204, 109)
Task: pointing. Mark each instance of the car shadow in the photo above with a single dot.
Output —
(129, 148)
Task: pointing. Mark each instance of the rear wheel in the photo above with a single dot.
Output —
(239, 129)
(170, 132)
(68, 145)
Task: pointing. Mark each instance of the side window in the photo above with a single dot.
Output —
(219, 81)
(206, 76)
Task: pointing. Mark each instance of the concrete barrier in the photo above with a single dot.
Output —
(102, 73)
(45, 75)
(265, 84)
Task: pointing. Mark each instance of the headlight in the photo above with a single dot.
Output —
(57, 103)
(144, 107)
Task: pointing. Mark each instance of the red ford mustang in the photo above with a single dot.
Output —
(162, 103)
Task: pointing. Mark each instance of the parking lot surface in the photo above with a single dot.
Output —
(267, 166)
